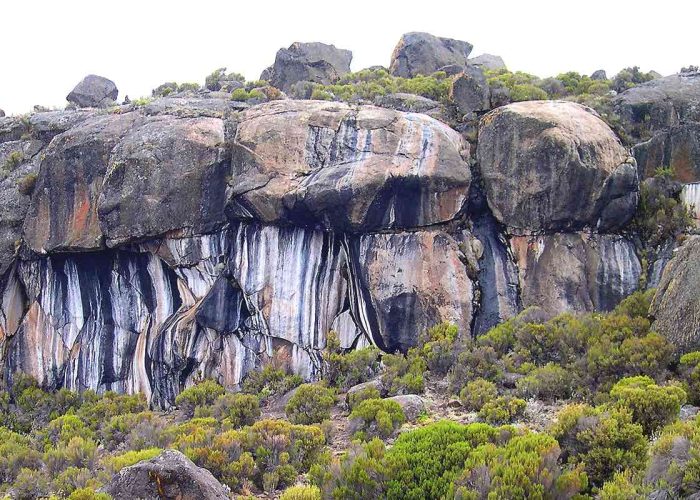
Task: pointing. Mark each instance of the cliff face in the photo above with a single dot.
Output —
(189, 239)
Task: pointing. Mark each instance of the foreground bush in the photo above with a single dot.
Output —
(674, 465)
(502, 410)
(301, 492)
(652, 406)
(376, 418)
(602, 441)
(310, 404)
(690, 373)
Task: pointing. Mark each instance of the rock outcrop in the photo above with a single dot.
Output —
(307, 62)
(487, 62)
(555, 166)
(93, 92)
(424, 54)
(676, 307)
(171, 476)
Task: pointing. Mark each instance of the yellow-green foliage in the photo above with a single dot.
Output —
(548, 382)
(652, 406)
(624, 486)
(88, 494)
(270, 381)
(477, 393)
(201, 394)
(236, 410)
(376, 417)
(502, 410)
(310, 404)
(343, 369)
(403, 374)
(675, 460)
(128, 458)
(690, 372)
(357, 397)
(603, 441)
(438, 347)
(301, 492)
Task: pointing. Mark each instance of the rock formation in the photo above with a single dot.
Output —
(676, 307)
(307, 62)
(424, 54)
(170, 475)
(93, 92)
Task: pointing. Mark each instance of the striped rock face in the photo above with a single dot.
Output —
(344, 168)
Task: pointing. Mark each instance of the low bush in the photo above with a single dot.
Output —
(27, 183)
(345, 370)
(357, 397)
(376, 418)
(674, 463)
(548, 382)
(310, 404)
(301, 492)
(438, 347)
(270, 382)
(236, 410)
(201, 394)
(603, 441)
(118, 462)
(403, 374)
(502, 410)
(689, 368)
(652, 406)
(477, 393)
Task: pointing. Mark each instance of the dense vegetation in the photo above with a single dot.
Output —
(616, 384)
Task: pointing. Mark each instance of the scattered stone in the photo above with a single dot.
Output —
(412, 405)
(688, 412)
(307, 62)
(424, 54)
(170, 475)
(94, 92)
(2, 113)
(372, 384)
(454, 403)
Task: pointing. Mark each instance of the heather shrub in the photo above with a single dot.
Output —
(310, 404)
(603, 441)
(403, 374)
(270, 382)
(376, 418)
(477, 393)
(201, 394)
(502, 410)
(357, 397)
(236, 410)
(652, 406)
(689, 369)
(301, 492)
(343, 369)
(547, 382)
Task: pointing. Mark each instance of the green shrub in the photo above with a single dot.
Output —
(624, 486)
(475, 362)
(357, 397)
(652, 406)
(690, 375)
(603, 441)
(310, 404)
(376, 417)
(525, 467)
(236, 410)
(547, 382)
(345, 370)
(403, 374)
(31, 484)
(62, 429)
(502, 410)
(269, 382)
(438, 347)
(12, 161)
(75, 478)
(88, 494)
(527, 92)
(477, 393)
(137, 430)
(16, 453)
(674, 463)
(301, 492)
(201, 394)
(78, 452)
(96, 410)
(118, 462)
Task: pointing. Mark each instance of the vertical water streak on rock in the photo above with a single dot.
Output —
(619, 271)
(691, 197)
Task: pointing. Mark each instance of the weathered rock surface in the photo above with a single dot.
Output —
(469, 91)
(412, 103)
(677, 147)
(690, 195)
(660, 104)
(63, 214)
(575, 272)
(345, 167)
(424, 54)
(93, 92)
(599, 74)
(676, 305)
(170, 475)
(555, 166)
(487, 62)
(307, 62)
(411, 404)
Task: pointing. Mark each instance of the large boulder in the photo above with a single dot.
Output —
(171, 476)
(659, 104)
(555, 166)
(469, 91)
(346, 168)
(575, 272)
(413, 406)
(63, 212)
(424, 54)
(308, 62)
(94, 92)
(676, 305)
(168, 174)
(487, 62)
(677, 147)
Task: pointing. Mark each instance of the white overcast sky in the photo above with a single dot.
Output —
(48, 46)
